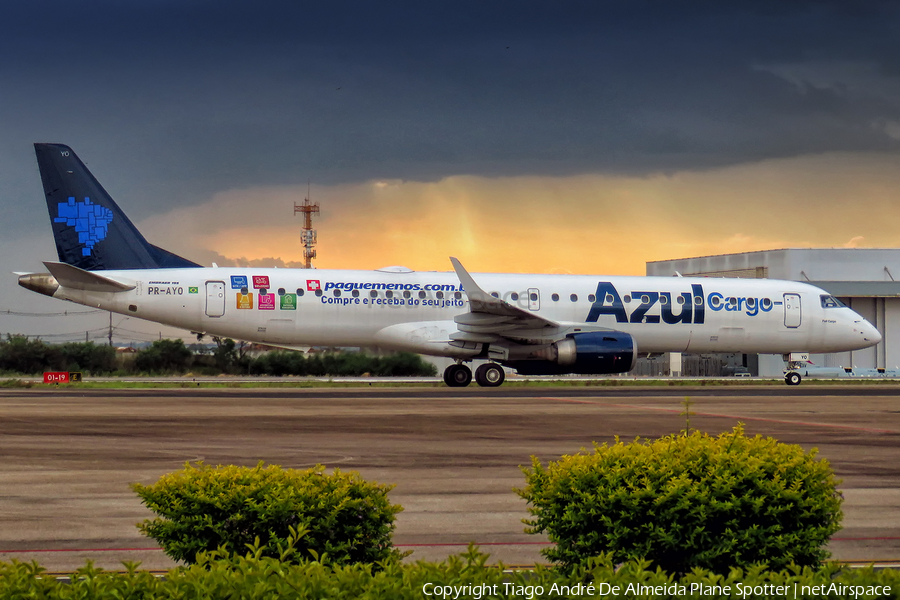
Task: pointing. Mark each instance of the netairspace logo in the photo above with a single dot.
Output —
(476, 591)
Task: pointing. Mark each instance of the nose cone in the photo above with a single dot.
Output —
(869, 333)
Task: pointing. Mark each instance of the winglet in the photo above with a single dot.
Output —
(480, 300)
(468, 283)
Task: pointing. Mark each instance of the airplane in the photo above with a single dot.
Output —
(535, 324)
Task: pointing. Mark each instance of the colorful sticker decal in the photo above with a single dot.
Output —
(239, 282)
(312, 285)
(193, 290)
(289, 302)
(260, 281)
(266, 301)
(245, 301)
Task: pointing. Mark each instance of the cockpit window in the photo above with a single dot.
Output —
(830, 302)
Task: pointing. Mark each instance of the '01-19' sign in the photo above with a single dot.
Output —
(61, 377)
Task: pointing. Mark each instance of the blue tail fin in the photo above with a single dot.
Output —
(90, 230)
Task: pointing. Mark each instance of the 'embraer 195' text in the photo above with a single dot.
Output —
(666, 307)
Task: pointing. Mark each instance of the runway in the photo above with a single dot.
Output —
(69, 455)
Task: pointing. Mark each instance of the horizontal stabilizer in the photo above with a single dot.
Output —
(79, 279)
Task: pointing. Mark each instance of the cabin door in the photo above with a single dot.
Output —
(215, 298)
(792, 310)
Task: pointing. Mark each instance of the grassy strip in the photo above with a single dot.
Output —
(275, 382)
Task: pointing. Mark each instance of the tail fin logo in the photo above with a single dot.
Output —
(91, 221)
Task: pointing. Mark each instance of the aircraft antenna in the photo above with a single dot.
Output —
(308, 237)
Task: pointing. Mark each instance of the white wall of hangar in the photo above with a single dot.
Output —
(866, 279)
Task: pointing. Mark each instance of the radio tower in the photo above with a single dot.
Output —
(308, 237)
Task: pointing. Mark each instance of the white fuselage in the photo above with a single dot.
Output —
(415, 311)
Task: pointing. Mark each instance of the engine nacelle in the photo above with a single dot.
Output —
(590, 353)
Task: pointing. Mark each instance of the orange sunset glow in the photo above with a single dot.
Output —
(579, 224)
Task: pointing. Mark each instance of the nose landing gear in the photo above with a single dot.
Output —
(795, 361)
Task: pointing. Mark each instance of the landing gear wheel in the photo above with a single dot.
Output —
(457, 376)
(489, 375)
(792, 378)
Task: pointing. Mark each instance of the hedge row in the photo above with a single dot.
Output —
(22, 355)
(351, 364)
(25, 356)
(466, 577)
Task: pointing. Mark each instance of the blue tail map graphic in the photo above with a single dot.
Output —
(91, 221)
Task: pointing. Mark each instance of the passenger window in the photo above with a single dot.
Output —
(440, 295)
(514, 297)
(319, 292)
(373, 293)
(591, 297)
(389, 294)
(533, 296)
(495, 294)
(355, 293)
(337, 293)
(422, 294)
(555, 297)
(300, 291)
(281, 291)
(574, 297)
(458, 295)
(406, 294)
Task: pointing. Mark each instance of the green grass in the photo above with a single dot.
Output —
(275, 382)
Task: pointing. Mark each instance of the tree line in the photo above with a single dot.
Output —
(20, 355)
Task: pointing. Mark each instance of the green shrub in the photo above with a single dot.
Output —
(163, 356)
(202, 508)
(18, 354)
(686, 501)
(340, 364)
(89, 357)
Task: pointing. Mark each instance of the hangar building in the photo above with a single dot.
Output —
(863, 278)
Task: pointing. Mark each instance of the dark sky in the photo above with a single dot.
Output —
(180, 100)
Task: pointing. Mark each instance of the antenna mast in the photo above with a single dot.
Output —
(308, 237)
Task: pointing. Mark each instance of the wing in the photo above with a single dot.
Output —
(491, 320)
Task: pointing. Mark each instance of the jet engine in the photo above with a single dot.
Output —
(593, 353)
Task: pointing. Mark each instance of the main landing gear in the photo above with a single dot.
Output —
(487, 375)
